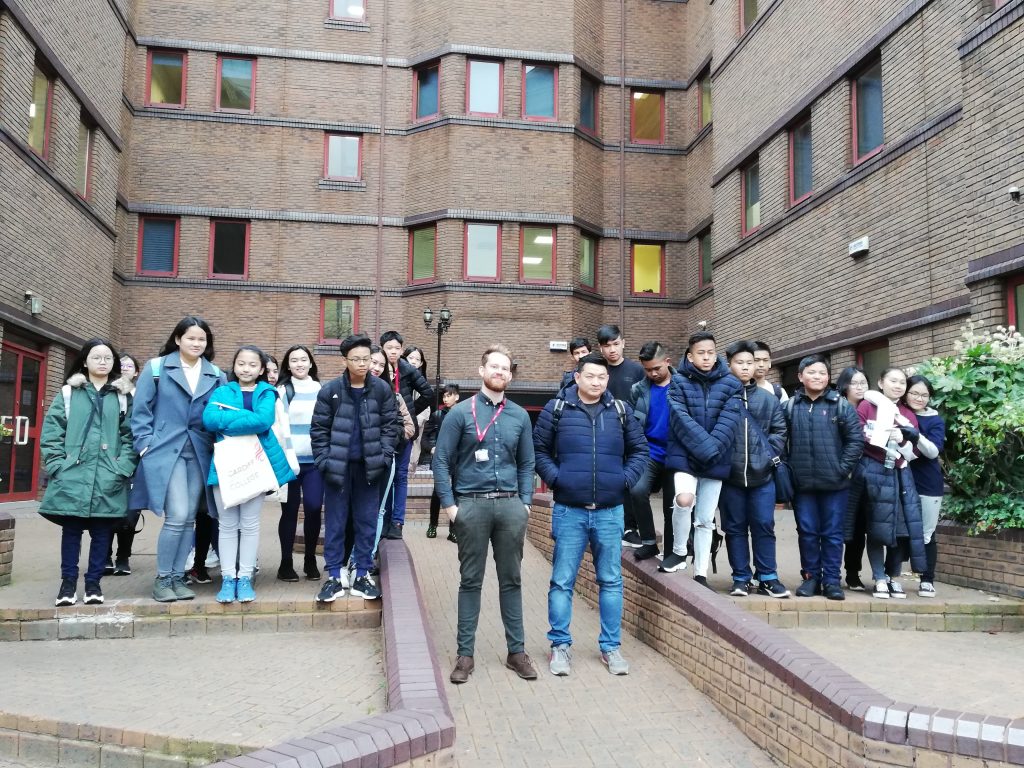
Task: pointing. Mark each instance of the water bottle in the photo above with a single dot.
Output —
(891, 452)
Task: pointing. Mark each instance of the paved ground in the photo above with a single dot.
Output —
(651, 717)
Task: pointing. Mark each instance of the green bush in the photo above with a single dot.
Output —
(979, 390)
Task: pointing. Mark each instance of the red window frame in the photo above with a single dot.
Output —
(792, 163)
(465, 253)
(1011, 300)
(501, 90)
(554, 254)
(359, 156)
(138, 249)
(704, 77)
(416, 91)
(355, 316)
(245, 257)
(744, 229)
(221, 58)
(48, 121)
(184, 78)
(433, 273)
(703, 239)
(632, 268)
(597, 105)
(522, 94)
(742, 21)
(597, 249)
(632, 116)
(858, 158)
(330, 13)
(86, 193)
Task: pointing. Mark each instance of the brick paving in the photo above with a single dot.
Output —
(650, 717)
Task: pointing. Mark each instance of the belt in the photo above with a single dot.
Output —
(491, 495)
(590, 506)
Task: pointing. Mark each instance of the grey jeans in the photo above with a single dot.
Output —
(502, 523)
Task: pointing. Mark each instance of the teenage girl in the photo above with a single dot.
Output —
(927, 471)
(414, 357)
(273, 370)
(853, 384)
(246, 405)
(124, 531)
(298, 386)
(175, 449)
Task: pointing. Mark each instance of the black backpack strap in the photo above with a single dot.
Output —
(556, 413)
(620, 408)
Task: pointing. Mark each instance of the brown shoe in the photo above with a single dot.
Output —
(463, 669)
(522, 665)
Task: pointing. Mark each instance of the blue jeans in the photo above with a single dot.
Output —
(749, 510)
(100, 529)
(819, 520)
(359, 500)
(180, 507)
(573, 528)
(400, 490)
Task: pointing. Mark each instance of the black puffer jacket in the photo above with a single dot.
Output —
(894, 508)
(331, 428)
(411, 381)
(704, 415)
(825, 441)
(752, 464)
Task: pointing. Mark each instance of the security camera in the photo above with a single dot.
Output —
(1014, 193)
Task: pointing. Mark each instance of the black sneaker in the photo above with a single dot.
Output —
(93, 593)
(672, 563)
(739, 589)
(808, 589)
(68, 592)
(646, 552)
(833, 592)
(311, 571)
(122, 568)
(703, 581)
(394, 531)
(330, 591)
(632, 539)
(108, 569)
(854, 584)
(366, 588)
(199, 575)
(773, 588)
(287, 573)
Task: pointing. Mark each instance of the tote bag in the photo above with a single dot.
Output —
(243, 469)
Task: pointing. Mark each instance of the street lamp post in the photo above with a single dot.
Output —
(444, 322)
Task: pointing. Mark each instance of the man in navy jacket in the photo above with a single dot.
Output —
(589, 451)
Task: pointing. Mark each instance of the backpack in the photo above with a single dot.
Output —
(157, 362)
(65, 391)
(620, 408)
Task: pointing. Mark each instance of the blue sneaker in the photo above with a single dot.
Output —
(227, 591)
(246, 594)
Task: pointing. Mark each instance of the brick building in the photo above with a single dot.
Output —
(294, 170)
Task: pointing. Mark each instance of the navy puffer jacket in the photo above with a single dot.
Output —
(704, 416)
(331, 428)
(752, 464)
(588, 460)
(825, 441)
(894, 507)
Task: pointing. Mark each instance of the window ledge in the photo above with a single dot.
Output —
(341, 186)
(351, 26)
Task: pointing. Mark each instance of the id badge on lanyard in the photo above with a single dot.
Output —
(482, 454)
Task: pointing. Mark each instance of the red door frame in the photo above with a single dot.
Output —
(35, 430)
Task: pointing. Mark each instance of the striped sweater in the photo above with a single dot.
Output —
(300, 414)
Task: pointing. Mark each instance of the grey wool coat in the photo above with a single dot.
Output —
(166, 414)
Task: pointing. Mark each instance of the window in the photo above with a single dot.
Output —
(588, 261)
(482, 256)
(647, 117)
(229, 249)
(158, 246)
(589, 89)
(166, 75)
(342, 157)
(540, 92)
(648, 269)
(704, 107)
(83, 160)
(1015, 302)
(800, 178)
(39, 113)
(339, 318)
(483, 87)
(422, 254)
(751, 203)
(704, 252)
(867, 112)
(748, 14)
(236, 84)
(425, 91)
(349, 10)
(537, 254)
(874, 358)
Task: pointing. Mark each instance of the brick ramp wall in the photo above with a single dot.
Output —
(991, 562)
(801, 708)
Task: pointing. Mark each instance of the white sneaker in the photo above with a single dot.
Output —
(561, 661)
(927, 589)
(615, 663)
(190, 560)
(896, 590)
(882, 589)
(212, 561)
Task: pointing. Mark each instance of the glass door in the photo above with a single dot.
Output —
(22, 372)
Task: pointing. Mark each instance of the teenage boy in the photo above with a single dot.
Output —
(483, 472)
(825, 444)
(747, 500)
(353, 434)
(449, 397)
(622, 375)
(406, 381)
(704, 415)
(763, 364)
(649, 398)
(589, 449)
(578, 347)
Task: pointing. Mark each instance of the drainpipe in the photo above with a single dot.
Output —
(622, 167)
(377, 297)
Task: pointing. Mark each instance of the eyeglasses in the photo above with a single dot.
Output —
(106, 359)
(918, 395)
(358, 359)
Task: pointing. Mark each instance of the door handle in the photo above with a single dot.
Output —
(21, 436)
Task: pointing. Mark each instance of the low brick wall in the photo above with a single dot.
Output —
(803, 709)
(993, 562)
(6, 548)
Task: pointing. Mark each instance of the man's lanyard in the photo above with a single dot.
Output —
(481, 435)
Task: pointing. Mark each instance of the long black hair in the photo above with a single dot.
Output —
(78, 364)
(423, 365)
(846, 377)
(263, 356)
(284, 373)
(189, 321)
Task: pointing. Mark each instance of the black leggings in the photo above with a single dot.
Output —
(308, 490)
